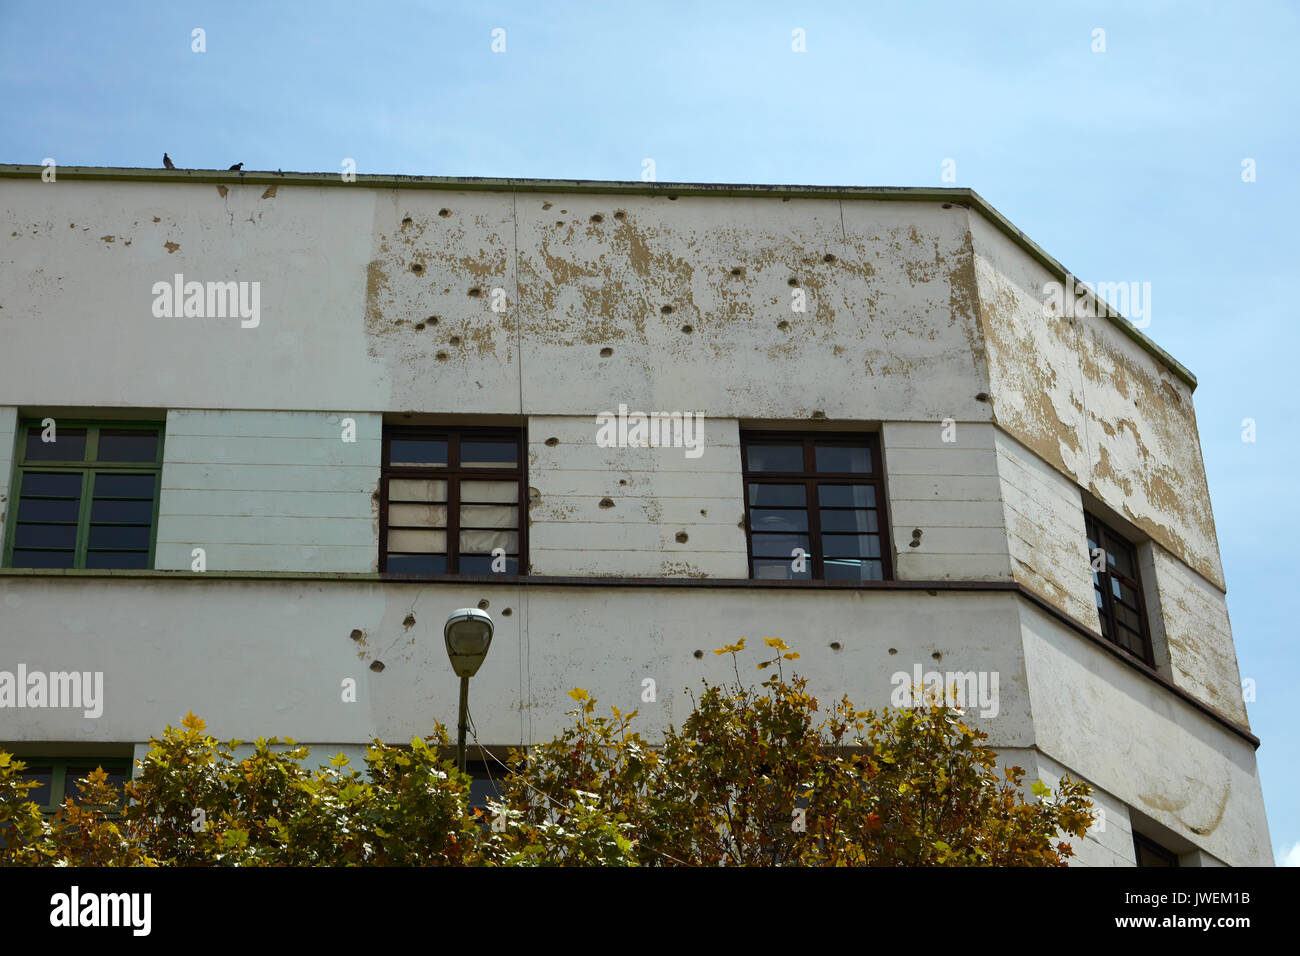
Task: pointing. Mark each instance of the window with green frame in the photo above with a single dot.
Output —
(85, 495)
(58, 777)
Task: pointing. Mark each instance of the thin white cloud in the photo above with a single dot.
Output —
(1289, 856)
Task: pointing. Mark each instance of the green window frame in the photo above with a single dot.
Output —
(63, 772)
(43, 531)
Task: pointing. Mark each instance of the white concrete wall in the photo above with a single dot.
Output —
(949, 491)
(1045, 531)
(652, 495)
(263, 657)
(269, 491)
(1113, 726)
(1093, 404)
(1197, 635)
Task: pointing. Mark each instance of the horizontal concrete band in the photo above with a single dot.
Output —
(931, 587)
(957, 195)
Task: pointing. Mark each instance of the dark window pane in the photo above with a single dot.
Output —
(843, 458)
(127, 445)
(45, 536)
(48, 509)
(116, 778)
(843, 569)
(484, 783)
(847, 496)
(769, 570)
(849, 521)
(128, 560)
(124, 537)
(51, 484)
(1128, 618)
(39, 795)
(483, 564)
(778, 545)
(417, 564)
(1120, 558)
(139, 512)
(424, 452)
(768, 519)
(43, 559)
(777, 496)
(851, 545)
(775, 457)
(489, 454)
(69, 445)
(123, 486)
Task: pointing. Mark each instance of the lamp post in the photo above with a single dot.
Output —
(468, 635)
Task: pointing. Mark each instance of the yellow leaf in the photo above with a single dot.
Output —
(791, 656)
(192, 722)
(776, 642)
(578, 694)
(732, 648)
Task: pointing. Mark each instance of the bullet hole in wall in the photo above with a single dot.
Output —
(606, 352)
(698, 655)
(407, 221)
(357, 634)
(417, 268)
(688, 328)
(818, 414)
(836, 646)
(682, 537)
(622, 481)
(418, 326)
(937, 655)
(551, 442)
(546, 205)
(982, 397)
(893, 650)
(559, 222)
(441, 356)
(620, 215)
(828, 258)
(483, 604)
(377, 666)
(454, 340)
(783, 325)
(597, 218)
(606, 502)
(737, 271)
(444, 213)
(475, 292)
(432, 320)
(408, 622)
(667, 310)
(792, 282)
(916, 538)
(673, 198)
(704, 512)
(506, 612)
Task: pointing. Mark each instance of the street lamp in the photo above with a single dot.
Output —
(468, 634)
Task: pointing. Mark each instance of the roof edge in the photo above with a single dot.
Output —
(957, 194)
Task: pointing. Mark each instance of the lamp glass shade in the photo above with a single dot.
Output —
(468, 635)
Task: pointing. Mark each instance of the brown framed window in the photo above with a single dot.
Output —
(1118, 589)
(452, 501)
(819, 495)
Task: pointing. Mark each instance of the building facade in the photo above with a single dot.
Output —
(260, 434)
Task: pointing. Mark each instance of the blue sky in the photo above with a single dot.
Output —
(1124, 164)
